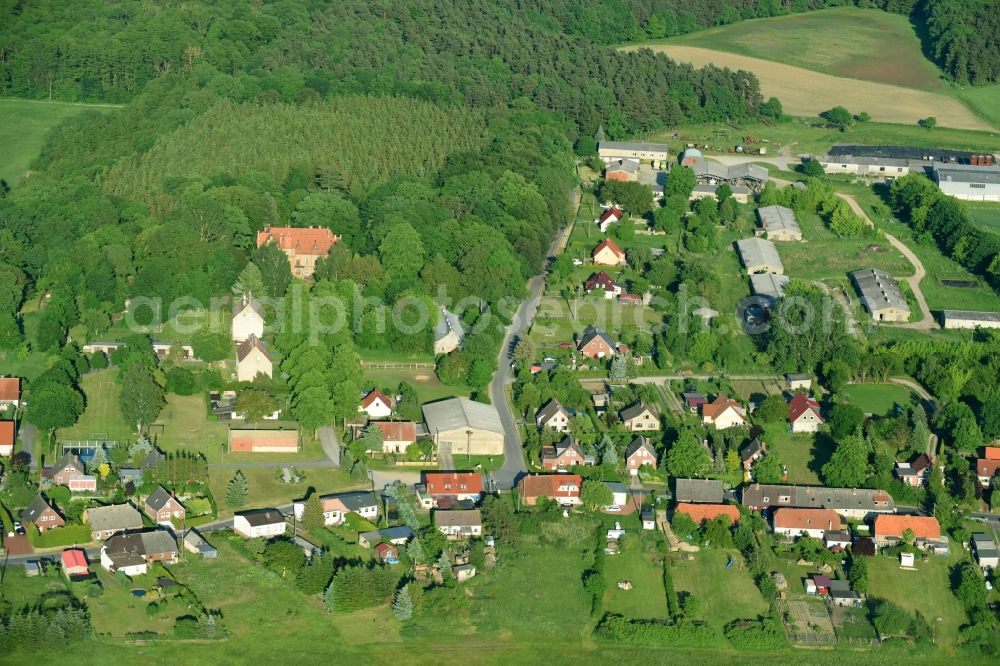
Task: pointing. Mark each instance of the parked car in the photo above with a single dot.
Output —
(613, 508)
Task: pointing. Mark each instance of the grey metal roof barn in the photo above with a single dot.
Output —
(966, 173)
(778, 218)
(455, 413)
(638, 146)
(699, 491)
(769, 284)
(878, 290)
(759, 255)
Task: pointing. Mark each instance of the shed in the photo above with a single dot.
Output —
(31, 568)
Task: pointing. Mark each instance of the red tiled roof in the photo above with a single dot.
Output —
(397, 431)
(987, 468)
(806, 519)
(386, 547)
(547, 485)
(10, 388)
(800, 404)
(611, 212)
(374, 395)
(721, 403)
(599, 279)
(453, 483)
(74, 558)
(924, 527)
(305, 240)
(700, 512)
(991, 452)
(6, 433)
(609, 244)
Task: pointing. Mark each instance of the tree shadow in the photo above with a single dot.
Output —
(820, 453)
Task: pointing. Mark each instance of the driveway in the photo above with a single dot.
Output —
(29, 435)
(17, 545)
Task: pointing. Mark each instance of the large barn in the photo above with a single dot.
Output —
(460, 425)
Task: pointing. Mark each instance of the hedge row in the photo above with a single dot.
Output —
(685, 633)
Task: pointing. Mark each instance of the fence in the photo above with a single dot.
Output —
(395, 365)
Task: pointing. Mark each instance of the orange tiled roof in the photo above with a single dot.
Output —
(700, 512)
(924, 527)
(301, 240)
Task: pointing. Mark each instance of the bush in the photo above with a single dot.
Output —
(186, 626)
(180, 381)
(686, 633)
(155, 607)
(762, 634)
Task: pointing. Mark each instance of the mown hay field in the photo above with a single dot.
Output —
(806, 93)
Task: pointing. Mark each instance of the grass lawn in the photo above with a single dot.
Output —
(424, 381)
(179, 328)
(983, 100)
(850, 38)
(117, 612)
(19, 590)
(266, 488)
(29, 367)
(986, 216)
(647, 598)
(725, 594)
(102, 416)
(478, 463)
(927, 590)
(877, 398)
(25, 124)
(803, 453)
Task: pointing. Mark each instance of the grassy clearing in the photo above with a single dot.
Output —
(25, 124)
(803, 453)
(266, 488)
(864, 44)
(19, 590)
(984, 100)
(102, 415)
(424, 381)
(826, 256)
(877, 398)
(928, 590)
(725, 594)
(647, 598)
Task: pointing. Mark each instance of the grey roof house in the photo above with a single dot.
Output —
(698, 491)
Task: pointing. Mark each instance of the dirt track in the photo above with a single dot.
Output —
(806, 93)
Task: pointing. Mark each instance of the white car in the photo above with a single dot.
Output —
(578, 262)
(613, 508)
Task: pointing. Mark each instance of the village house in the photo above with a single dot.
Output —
(397, 436)
(10, 393)
(398, 535)
(723, 413)
(741, 193)
(803, 413)
(133, 553)
(163, 508)
(759, 256)
(694, 401)
(553, 416)
(702, 512)
(336, 507)
(259, 523)
(619, 493)
(851, 503)
(446, 489)
(461, 426)
(751, 452)
(376, 405)
(609, 217)
(459, 524)
(595, 342)
(988, 466)
(639, 418)
(914, 473)
(880, 295)
(263, 441)
(42, 515)
(799, 381)
(607, 253)
(106, 521)
(889, 530)
(8, 435)
(303, 246)
(252, 360)
(448, 333)
(566, 454)
(837, 540)
(69, 472)
(602, 282)
(698, 491)
(779, 224)
(815, 523)
(195, 543)
(639, 452)
(564, 489)
(622, 170)
(248, 319)
(74, 562)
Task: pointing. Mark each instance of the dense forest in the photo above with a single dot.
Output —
(965, 38)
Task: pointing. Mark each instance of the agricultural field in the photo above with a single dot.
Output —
(864, 60)
(725, 594)
(843, 42)
(25, 124)
(878, 399)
